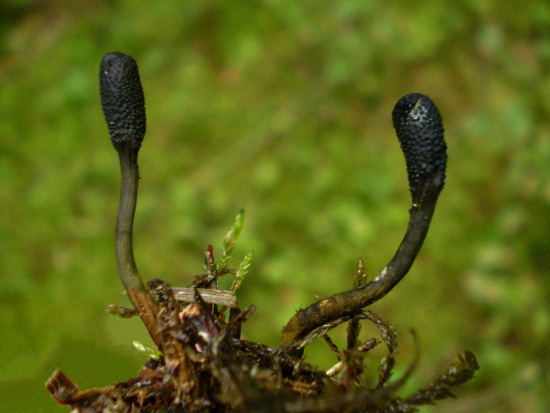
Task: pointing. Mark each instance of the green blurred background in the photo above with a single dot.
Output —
(282, 108)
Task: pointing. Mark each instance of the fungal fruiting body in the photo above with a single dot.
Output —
(419, 128)
(122, 100)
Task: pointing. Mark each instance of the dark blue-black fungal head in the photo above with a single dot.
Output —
(419, 128)
(122, 100)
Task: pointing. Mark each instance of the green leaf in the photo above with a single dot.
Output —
(244, 266)
(231, 239)
(147, 349)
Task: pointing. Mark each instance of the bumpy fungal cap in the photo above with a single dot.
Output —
(122, 100)
(419, 128)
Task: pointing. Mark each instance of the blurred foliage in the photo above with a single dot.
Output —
(281, 108)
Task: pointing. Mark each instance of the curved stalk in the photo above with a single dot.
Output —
(339, 305)
(420, 131)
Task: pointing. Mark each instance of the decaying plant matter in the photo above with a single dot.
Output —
(201, 364)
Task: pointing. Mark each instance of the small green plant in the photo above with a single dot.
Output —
(231, 239)
(201, 363)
